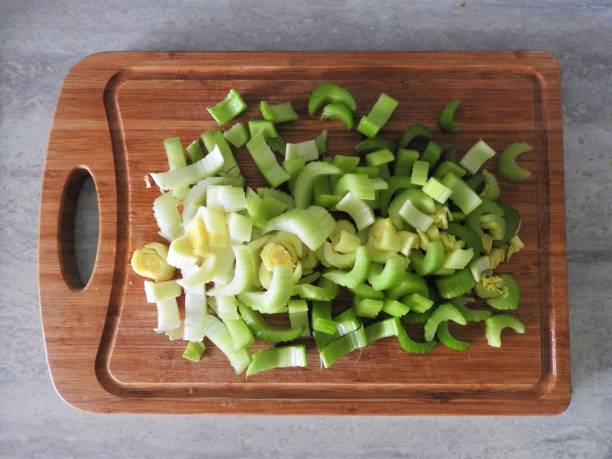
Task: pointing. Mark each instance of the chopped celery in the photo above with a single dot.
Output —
(168, 316)
(446, 121)
(404, 159)
(391, 275)
(321, 141)
(263, 127)
(240, 227)
(194, 351)
(306, 179)
(195, 316)
(340, 112)
(307, 149)
(379, 157)
(276, 297)
(476, 156)
(312, 225)
(496, 324)
(298, 315)
(244, 273)
(446, 338)
(237, 135)
(360, 186)
(359, 211)
(326, 93)
(415, 131)
(356, 275)
(432, 153)
(443, 313)
(507, 167)
(266, 161)
(420, 169)
(217, 332)
(225, 197)
(188, 175)
(264, 330)
(379, 115)
(195, 151)
(436, 190)
(462, 195)
(367, 307)
(160, 291)
(393, 327)
(215, 140)
(279, 113)
(277, 357)
(150, 261)
(242, 337)
(342, 346)
(229, 108)
(414, 217)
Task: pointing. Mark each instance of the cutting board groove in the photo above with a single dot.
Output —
(112, 114)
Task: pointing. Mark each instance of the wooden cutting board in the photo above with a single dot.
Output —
(112, 114)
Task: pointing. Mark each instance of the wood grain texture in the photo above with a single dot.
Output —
(114, 111)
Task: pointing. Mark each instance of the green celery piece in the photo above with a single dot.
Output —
(370, 171)
(326, 290)
(194, 351)
(356, 275)
(266, 161)
(446, 338)
(379, 115)
(391, 275)
(511, 299)
(321, 318)
(278, 357)
(496, 324)
(463, 196)
(436, 190)
(306, 179)
(491, 189)
(294, 166)
(432, 153)
(395, 184)
(214, 139)
(446, 120)
(266, 331)
(449, 167)
(360, 186)
(457, 284)
(366, 291)
(433, 260)
(263, 127)
(326, 93)
(395, 308)
(367, 307)
(345, 162)
(471, 315)
(176, 160)
(217, 332)
(308, 149)
(276, 297)
(360, 212)
(321, 141)
(237, 135)
(342, 346)
(229, 108)
(298, 315)
(410, 284)
(420, 171)
(338, 111)
(277, 144)
(476, 156)
(417, 302)
(379, 157)
(467, 235)
(279, 113)
(370, 145)
(404, 159)
(443, 313)
(393, 327)
(415, 131)
(240, 333)
(195, 151)
(507, 166)
(513, 223)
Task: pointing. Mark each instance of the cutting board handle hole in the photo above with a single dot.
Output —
(79, 229)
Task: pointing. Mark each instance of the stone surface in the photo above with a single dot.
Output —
(39, 41)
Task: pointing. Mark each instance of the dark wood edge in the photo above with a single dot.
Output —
(552, 393)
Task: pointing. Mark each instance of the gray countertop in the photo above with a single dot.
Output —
(39, 41)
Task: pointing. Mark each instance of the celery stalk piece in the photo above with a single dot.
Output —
(242, 337)
(415, 131)
(306, 179)
(265, 331)
(201, 275)
(496, 324)
(342, 346)
(160, 291)
(312, 225)
(266, 161)
(446, 121)
(263, 127)
(197, 194)
(437, 190)
(321, 318)
(244, 273)
(274, 299)
(237, 135)
(443, 313)
(462, 195)
(367, 307)
(298, 315)
(151, 261)
(195, 151)
(194, 351)
(225, 197)
(379, 115)
(458, 259)
(321, 141)
(445, 337)
(356, 275)
(167, 216)
(307, 149)
(208, 166)
(360, 186)
(414, 217)
(395, 308)
(326, 290)
(181, 253)
(168, 316)
(393, 327)
(340, 112)
(457, 284)
(359, 211)
(216, 227)
(278, 357)
(476, 156)
(420, 171)
(279, 113)
(507, 167)
(379, 157)
(215, 140)
(240, 228)
(294, 166)
(227, 307)
(176, 159)
(229, 108)
(326, 93)
(195, 316)
(223, 272)
(391, 275)
(217, 332)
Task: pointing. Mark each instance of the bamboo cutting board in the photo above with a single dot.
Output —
(112, 114)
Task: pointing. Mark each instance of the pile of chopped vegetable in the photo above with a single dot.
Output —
(415, 234)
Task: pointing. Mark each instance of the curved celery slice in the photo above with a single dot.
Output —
(359, 211)
(338, 260)
(476, 156)
(411, 283)
(217, 332)
(224, 271)
(415, 131)
(347, 243)
(168, 316)
(356, 275)
(433, 260)
(237, 135)
(393, 327)
(294, 166)
(417, 302)
(242, 337)
(244, 273)
(395, 184)
(279, 113)
(510, 299)
(312, 225)
(379, 157)
(446, 338)
(446, 121)
(458, 259)
(382, 236)
(419, 174)
(214, 139)
(342, 346)
(513, 223)
(194, 351)
(240, 227)
(478, 266)
(471, 315)
(391, 275)
(496, 324)
(216, 227)
(395, 308)
(203, 274)
(491, 189)
(176, 159)
(298, 315)
(326, 290)
(225, 197)
(326, 93)
(276, 297)
(338, 111)
(197, 194)
(229, 108)
(266, 161)
(195, 316)
(367, 291)
(195, 151)
(495, 225)
(211, 164)
(462, 195)
(367, 307)
(304, 183)
(378, 116)
(167, 216)
(456, 284)
(345, 162)
(263, 127)
(360, 186)
(414, 217)
(374, 144)
(307, 150)
(473, 220)
(507, 166)
(443, 313)
(449, 167)
(264, 330)
(321, 318)
(277, 357)
(467, 235)
(436, 190)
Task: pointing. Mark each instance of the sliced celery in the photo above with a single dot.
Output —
(443, 313)
(356, 275)
(496, 324)
(217, 332)
(462, 195)
(476, 156)
(215, 140)
(277, 357)
(188, 175)
(306, 179)
(312, 225)
(414, 217)
(279, 113)
(326, 93)
(379, 115)
(168, 316)
(306, 149)
(446, 121)
(265, 331)
(225, 197)
(229, 108)
(194, 351)
(195, 316)
(340, 112)
(244, 273)
(298, 315)
(367, 307)
(507, 167)
(393, 327)
(437, 190)
(412, 132)
(240, 227)
(359, 211)
(237, 135)
(276, 297)
(342, 346)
